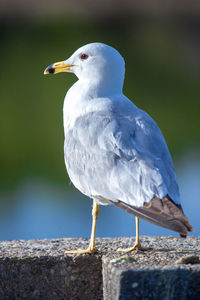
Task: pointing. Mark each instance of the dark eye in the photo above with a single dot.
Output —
(83, 56)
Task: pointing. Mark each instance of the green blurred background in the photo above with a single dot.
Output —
(161, 48)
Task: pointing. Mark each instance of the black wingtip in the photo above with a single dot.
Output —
(183, 235)
(163, 212)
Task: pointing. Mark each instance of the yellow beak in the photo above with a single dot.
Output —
(57, 68)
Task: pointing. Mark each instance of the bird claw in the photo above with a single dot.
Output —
(89, 250)
(136, 247)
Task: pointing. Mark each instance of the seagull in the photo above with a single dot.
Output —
(114, 152)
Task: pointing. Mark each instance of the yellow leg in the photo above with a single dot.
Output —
(91, 249)
(137, 245)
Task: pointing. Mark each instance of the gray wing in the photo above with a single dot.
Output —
(120, 154)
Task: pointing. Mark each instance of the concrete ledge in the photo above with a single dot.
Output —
(37, 269)
(170, 269)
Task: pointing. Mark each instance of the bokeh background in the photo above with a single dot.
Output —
(160, 43)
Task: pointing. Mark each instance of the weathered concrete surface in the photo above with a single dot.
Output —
(37, 269)
(170, 269)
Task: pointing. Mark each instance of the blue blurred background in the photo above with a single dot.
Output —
(161, 46)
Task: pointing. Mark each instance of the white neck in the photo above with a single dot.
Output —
(84, 96)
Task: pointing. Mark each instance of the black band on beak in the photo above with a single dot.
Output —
(50, 69)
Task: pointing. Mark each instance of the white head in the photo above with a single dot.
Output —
(97, 65)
